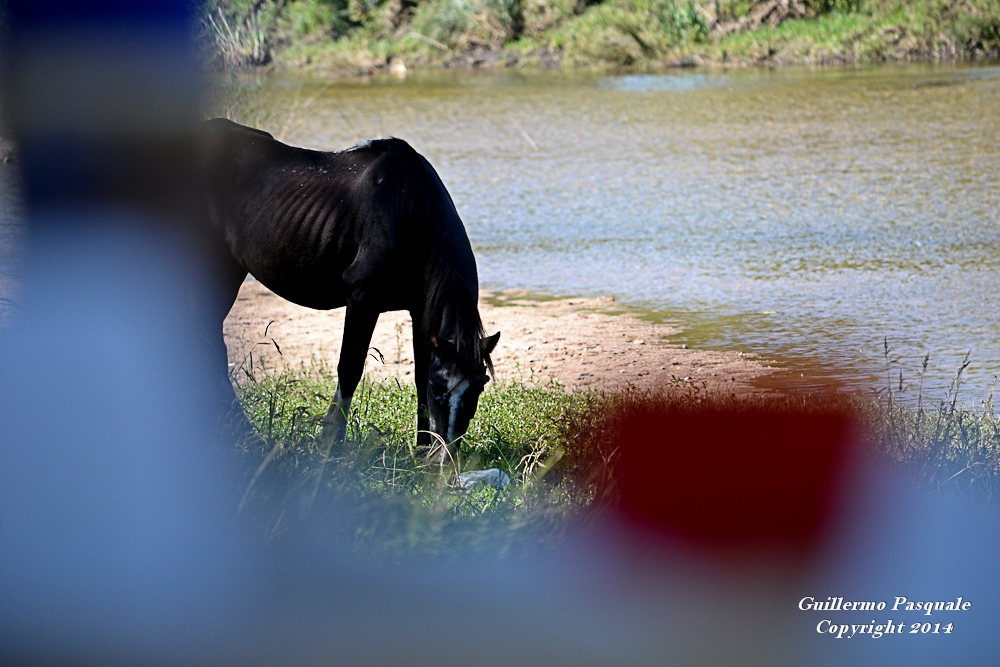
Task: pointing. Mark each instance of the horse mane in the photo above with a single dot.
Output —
(451, 283)
(447, 302)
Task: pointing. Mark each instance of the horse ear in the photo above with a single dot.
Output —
(489, 343)
(445, 349)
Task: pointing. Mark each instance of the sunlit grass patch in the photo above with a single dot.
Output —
(826, 37)
(398, 501)
(629, 34)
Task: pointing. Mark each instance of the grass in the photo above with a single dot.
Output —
(400, 503)
(380, 495)
(948, 450)
(237, 33)
(390, 501)
(364, 36)
(876, 31)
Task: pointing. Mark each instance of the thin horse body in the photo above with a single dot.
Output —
(371, 228)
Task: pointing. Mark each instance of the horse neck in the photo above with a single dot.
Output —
(454, 316)
(451, 283)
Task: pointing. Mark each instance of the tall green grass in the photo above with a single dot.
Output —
(401, 501)
(948, 449)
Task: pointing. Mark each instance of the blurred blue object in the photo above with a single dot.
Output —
(115, 525)
(27, 12)
(116, 534)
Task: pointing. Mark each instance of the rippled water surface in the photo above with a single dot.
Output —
(847, 205)
(801, 214)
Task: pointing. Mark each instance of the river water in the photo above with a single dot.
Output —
(803, 214)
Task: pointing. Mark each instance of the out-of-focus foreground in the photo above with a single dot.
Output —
(118, 543)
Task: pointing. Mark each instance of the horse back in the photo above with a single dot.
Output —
(313, 226)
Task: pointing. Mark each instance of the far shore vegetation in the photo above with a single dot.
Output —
(390, 501)
(361, 37)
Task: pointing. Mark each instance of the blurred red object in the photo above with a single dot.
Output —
(761, 480)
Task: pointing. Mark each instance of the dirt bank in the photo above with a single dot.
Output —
(573, 341)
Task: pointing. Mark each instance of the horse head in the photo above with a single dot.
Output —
(454, 384)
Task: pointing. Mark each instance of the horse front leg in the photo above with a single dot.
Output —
(421, 368)
(359, 324)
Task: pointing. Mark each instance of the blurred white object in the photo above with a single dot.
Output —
(494, 477)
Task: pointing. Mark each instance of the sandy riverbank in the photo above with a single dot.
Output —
(574, 341)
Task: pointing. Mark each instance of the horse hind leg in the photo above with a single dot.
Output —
(213, 302)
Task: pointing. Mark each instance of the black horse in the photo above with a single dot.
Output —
(371, 228)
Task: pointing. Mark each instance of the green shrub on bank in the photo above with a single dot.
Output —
(363, 36)
(630, 33)
(464, 25)
(648, 34)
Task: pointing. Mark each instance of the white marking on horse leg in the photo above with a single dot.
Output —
(334, 434)
(454, 398)
(343, 402)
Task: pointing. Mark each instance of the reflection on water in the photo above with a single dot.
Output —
(803, 214)
(664, 83)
